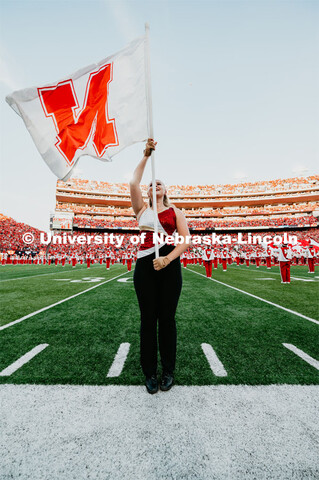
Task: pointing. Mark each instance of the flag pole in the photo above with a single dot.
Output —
(151, 129)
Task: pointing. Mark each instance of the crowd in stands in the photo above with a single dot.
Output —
(246, 187)
(93, 185)
(180, 190)
(192, 198)
(301, 221)
(264, 210)
(71, 207)
(103, 222)
(11, 233)
(97, 250)
(202, 212)
(262, 221)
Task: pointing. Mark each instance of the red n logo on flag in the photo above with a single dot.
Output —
(74, 129)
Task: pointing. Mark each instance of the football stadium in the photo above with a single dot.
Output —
(244, 400)
(159, 240)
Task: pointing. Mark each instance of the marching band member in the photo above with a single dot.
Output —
(200, 259)
(108, 256)
(224, 257)
(185, 259)
(4, 258)
(284, 258)
(74, 260)
(257, 258)
(207, 257)
(129, 259)
(246, 257)
(268, 257)
(215, 258)
(310, 255)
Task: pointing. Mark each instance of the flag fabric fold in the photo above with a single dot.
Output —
(97, 111)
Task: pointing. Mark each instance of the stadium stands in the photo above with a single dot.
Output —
(266, 206)
(274, 203)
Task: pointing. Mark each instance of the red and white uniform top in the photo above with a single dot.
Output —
(284, 254)
(309, 253)
(208, 255)
(166, 224)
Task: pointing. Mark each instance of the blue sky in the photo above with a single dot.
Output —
(235, 89)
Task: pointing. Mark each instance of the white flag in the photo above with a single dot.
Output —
(97, 111)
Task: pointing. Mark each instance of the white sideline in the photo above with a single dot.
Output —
(119, 360)
(3, 327)
(234, 432)
(258, 298)
(307, 358)
(23, 360)
(214, 362)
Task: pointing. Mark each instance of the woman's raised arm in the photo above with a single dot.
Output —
(135, 189)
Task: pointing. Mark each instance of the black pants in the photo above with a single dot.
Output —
(158, 293)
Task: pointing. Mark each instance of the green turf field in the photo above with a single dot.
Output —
(84, 333)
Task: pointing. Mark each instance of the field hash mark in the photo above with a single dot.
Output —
(307, 358)
(23, 360)
(214, 362)
(119, 360)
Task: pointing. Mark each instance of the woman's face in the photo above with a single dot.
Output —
(160, 189)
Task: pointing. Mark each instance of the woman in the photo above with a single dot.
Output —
(157, 282)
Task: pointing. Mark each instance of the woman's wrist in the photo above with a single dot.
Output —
(168, 259)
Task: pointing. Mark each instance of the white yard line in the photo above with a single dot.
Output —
(258, 298)
(214, 362)
(23, 360)
(119, 360)
(57, 303)
(304, 279)
(307, 358)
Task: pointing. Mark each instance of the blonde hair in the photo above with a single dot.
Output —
(166, 201)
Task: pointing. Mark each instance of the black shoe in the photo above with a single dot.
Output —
(151, 384)
(167, 381)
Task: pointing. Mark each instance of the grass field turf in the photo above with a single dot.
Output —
(85, 332)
